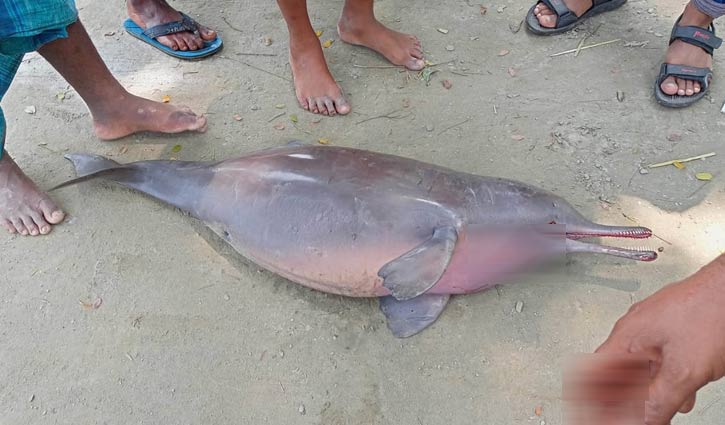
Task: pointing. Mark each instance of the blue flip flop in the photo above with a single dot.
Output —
(185, 24)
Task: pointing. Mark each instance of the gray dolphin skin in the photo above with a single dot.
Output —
(364, 224)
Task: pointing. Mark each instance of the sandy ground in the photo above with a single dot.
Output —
(188, 333)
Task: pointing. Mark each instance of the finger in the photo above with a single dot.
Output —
(689, 404)
(669, 391)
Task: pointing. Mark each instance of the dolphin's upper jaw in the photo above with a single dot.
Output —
(629, 233)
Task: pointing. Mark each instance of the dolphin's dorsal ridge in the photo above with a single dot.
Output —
(419, 269)
(407, 318)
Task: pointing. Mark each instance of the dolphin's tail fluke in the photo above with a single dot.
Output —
(88, 164)
(91, 166)
(179, 183)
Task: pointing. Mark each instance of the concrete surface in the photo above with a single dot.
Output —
(187, 333)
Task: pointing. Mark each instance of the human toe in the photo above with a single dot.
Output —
(8, 225)
(40, 222)
(19, 226)
(330, 105)
(669, 86)
(51, 213)
(342, 106)
(689, 90)
(206, 33)
(415, 64)
(29, 225)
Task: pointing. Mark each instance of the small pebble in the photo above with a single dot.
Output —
(450, 48)
(281, 353)
(254, 108)
(226, 297)
(519, 306)
(302, 409)
(429, 127)
(643, 171)
(32, 397)
(30, 110)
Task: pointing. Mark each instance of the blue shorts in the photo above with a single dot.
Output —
(25, 26)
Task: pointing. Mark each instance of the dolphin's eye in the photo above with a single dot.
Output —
(552, 222)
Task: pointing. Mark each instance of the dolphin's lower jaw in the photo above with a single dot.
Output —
(576, 232)
(629, 253)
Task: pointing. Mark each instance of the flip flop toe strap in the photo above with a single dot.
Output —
(701, 75)
(185, 24)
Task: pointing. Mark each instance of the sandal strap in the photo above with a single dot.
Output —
(185, 24)
(701, 75)
(564, 15)
(700, 37)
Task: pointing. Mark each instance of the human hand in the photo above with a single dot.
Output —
(676, 336)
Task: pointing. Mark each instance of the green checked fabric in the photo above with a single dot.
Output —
(25, 26)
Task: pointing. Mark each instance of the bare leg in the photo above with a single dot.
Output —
(315, 88)
(24, 208)
(116, 112)
(149, 13)
(358, 26)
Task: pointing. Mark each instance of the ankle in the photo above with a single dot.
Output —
(304, 44)
(693, 17)
(107, 107)
(355, 24)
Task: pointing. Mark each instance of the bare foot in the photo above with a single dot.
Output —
(547, 18)
(681, 53)
(24, 208)
(315, 88)
(365, 30)
(149, 13)
(132, 114)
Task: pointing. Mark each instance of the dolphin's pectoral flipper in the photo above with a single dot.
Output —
(407, 318)
(416, 271)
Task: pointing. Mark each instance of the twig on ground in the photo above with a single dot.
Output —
(585, 38)
(276, 116)
(390, 115)
(694, 158)
(231, 26)
(603, 43)
(374, 66)
(254, 54)
(453, 126)
(257, 68)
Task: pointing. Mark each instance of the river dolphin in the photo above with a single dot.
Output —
(365, 224)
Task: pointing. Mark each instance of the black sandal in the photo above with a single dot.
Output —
(702, 38)
(566, 19)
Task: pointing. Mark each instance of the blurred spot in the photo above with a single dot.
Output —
(601, 389)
